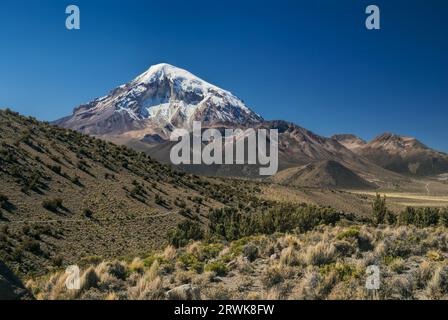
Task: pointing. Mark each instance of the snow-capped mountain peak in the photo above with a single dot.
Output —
(159, 71)
(163, 96)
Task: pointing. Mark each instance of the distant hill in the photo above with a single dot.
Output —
(401, 154)
(324, 174)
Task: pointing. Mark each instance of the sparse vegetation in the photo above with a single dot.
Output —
(299, 265)
(32, 246)
(423, 217)
(88, 213)
(4, 203)
(379, 209)
(218, 267)
(52, 204)
(226, 238)
(3, 198)
(232, 224)
(185, 231)
(160, 201)
(58, 175)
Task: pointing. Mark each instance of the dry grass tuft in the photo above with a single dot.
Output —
(328, 263)
(320, 254)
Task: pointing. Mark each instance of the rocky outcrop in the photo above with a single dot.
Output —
(184, 292)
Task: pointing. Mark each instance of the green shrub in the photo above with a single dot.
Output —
(58, 261)
(26, 229)
(148, 261)
(3, 202)
(180, 203)
(117, 269)
(344, 272)
(232, 224)
(90, 279)
(391, 218)
(3, 198)
(32, 246)
(250, 251)
(389, 260)
(52, 204)
(444, 217)
(434, 255)
(17, 254)
(272, 276)
(160, 201)
(88, 213)
(349, 233)
(217, 267)
(76, 180)
(137, 190)
(185, 231)
(210, 251)
(56, 169)
(191, 262)
(90, 260)
(379, 209)
(4, 229)
(422, 217)
(428, 217)
(407, 216)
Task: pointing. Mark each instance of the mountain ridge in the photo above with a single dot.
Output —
(143, 112)
(398, 153)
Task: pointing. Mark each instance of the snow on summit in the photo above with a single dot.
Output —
(162, 97)
(185, 81)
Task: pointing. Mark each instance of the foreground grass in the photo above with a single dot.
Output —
(326, 263)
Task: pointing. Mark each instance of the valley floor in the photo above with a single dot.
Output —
(418, 194)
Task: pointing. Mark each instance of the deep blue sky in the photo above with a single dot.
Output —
(310, 62)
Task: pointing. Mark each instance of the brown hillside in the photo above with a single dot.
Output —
(324, 174)
(66, 196)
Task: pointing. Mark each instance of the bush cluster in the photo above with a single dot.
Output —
(424, 217)
(231, 224)
(185, 231)
(52, 204)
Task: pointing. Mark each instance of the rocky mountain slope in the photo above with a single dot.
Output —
(142, 114)
(350, 141)
(160, 99)
(401, 154)
(297, 147)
